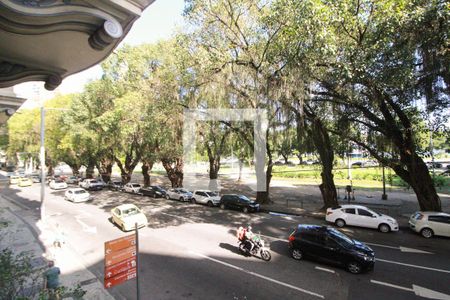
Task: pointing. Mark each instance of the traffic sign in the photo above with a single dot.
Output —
(113, 258)
(120, 243)
(121, 267)
(130, 274)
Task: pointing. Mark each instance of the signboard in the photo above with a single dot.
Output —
(120, 243)
(120, 260)
(121, 278)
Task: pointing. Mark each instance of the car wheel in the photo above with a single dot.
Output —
(222, 206)
(245, 210)
(354, 267)
(181, 199)
(384, 228)
(340, 223)
(427, 233)
(167, 197)
(123, 227)
(193, 201)
(210, 204)
(297, 254)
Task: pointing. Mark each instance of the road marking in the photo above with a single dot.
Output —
(413, 266)
(324, 269)
(418, 290)
(86, 227)
(392, 285)
(402, 249)
(259, 275)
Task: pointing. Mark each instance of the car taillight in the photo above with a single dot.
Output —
(291, 238)
(329, 213)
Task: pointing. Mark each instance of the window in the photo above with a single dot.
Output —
(350, 211)
(363, 212)
(439, 219)
(200, 194)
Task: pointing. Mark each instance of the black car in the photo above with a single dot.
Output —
(153, 191)
(239, 202)
(331, 246)
(115, 185)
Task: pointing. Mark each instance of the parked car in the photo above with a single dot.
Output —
(132, 187)
(35, 178)
(115, 185)
(357, 164)
(179, 194)
(14, 179)
(239, 202)
(429, 223)
(358, 215)
(127, 215)
(153, 191)
(331, 246)
(206, 197)
(25, 181)
(72, 180)
(92, 185)
(57, 184)
(77, 195)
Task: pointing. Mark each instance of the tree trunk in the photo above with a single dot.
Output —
(174, 170)
(105, 169)
(418, 177)
(300, 159)
(325, 149)
(214, 167)
(263, 197)
(90, 170)
(146, 168)
(285, 157)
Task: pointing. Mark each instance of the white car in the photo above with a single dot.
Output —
(429, 223)
(77, 195)
(178, 194)
(206, 197)
(127, 215)
(57, 184)
(358, 215)
(131, 187)
(91, 184)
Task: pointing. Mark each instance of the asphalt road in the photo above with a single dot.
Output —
(190, 252)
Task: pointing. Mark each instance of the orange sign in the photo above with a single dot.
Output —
(130, 274)
(120, 243)
(120, 267)
(121, 255)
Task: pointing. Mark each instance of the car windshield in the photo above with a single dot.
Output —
(157, 188)
(244, 198)
(94, 181)
(130, 212)
(59, 181)
(211, 194)
(117, 182)
(135, 185)
(80, 192)
(341, 238)
(183, 191)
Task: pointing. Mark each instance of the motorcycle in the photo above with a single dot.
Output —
(258, 248)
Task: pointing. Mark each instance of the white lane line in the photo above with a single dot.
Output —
(401, 248)
(418, 290)
(258, 275)
(324, 269)
(413, 266)
(392, 285)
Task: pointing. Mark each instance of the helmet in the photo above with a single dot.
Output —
(249, 228)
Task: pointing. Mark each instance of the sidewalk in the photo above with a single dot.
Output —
(24, 232)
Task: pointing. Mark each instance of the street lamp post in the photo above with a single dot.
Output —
(42, 158)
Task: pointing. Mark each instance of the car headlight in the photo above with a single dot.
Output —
(365, 256)
(392, 221)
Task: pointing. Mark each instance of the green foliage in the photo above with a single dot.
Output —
(15, 274)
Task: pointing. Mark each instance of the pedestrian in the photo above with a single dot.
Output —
(51, 277)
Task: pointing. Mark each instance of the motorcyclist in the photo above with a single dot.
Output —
(249, 235)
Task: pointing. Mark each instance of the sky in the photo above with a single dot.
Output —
(157, 22)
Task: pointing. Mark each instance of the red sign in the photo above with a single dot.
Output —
(120, 267)
(120, 243)
(130, 274)
(121, 255)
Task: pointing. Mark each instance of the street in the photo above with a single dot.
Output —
(190, 251)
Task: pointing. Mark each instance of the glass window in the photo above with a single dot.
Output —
(350, 211)
(439, 219)
(363, 212)
(244, 199)
(341, 238)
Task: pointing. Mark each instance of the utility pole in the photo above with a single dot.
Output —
(42, 158)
